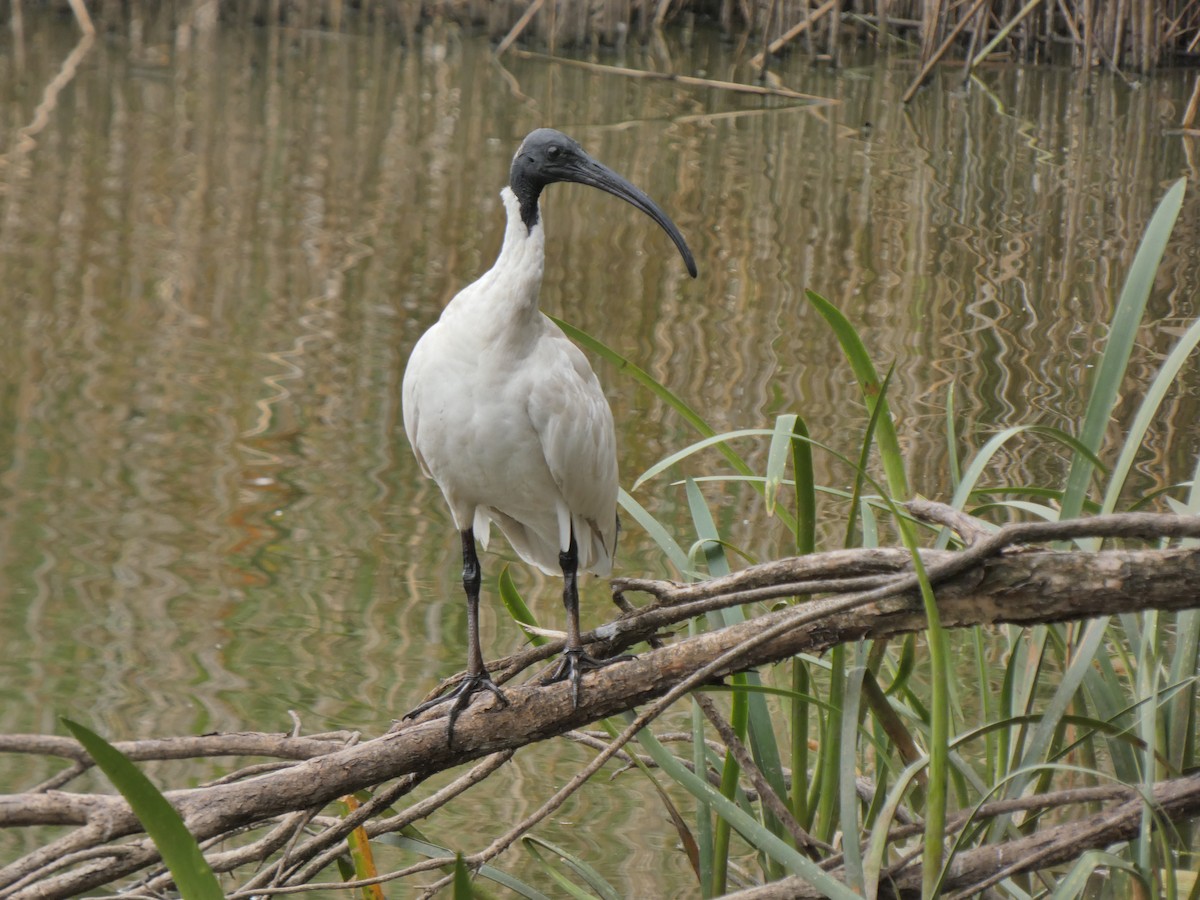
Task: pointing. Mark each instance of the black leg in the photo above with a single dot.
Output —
(477, 677)
(575, 661)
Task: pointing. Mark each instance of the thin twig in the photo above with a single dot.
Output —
(1189, 114)
(82, 18)
(423, 809)
(515, 31)
(106, 817)
(968, 527)
(689, 80)
(769, 798)
(756, 61)
(937, 55)
(697, 678)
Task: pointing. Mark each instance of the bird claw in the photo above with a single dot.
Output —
(458, 698)
(572, 664)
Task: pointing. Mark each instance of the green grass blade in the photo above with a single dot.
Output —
(760, 727)
(642, 377)
(864, 455)
(823, 795)
(713, 440)
(848, 781)
(1040, 510)
(433, 851)
(730, 772)
(462, 879)
(882, 428)
(864, 371)
(777, 458)
(594, 879)
(638, 374)
(870, 525)
(686, 839)
(801, 682)
(753, 831)
(709, 537)
(968, 484)
(806, 542)
(952, 441)
(805, 489)
(878, 843)
(1127, 318)
(939, 724)
(1155, 393)
(704, 837)
(714, 548)
(1083, 658)
(1076, 882)
(1185, 661)
(180, 852)
(1109, 700)
(657, 532)
(515, 604)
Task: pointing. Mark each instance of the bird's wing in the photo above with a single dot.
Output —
(574, 424)
(408, 398)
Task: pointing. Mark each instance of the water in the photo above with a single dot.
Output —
(216, 258)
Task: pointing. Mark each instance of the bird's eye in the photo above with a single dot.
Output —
(552, 151)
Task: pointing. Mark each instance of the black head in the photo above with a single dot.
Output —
(547, 156)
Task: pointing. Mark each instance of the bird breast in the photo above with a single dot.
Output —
(512, 424)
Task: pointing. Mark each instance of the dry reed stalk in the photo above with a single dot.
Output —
(515, 31)
(1189, 114)
(793, 33)
(82, 17)
(690, 80)
(941, 51)
(1005, 31)
(1130, 34)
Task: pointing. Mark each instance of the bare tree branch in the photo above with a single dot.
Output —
(985, 583)
(975, 870)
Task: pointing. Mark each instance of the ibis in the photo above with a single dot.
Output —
(505, 414)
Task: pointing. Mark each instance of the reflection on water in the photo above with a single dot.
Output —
(214, 270)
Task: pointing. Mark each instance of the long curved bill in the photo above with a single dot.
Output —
(598, 175)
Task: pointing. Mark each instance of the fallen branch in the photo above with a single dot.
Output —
(519, 27)
(756, 62)
(995, 579)
(688, 80)
(937, 54)
(973, 871)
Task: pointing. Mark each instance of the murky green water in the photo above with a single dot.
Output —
(216, 258)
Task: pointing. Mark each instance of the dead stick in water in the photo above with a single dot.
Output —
(82, 17)
(691, 80)
(516, 30)
(1005, 31)
(776, 45)
(940, 51)
(1189, 115)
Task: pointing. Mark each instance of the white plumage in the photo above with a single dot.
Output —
(506, 415)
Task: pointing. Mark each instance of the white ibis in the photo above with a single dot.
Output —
(506, 415)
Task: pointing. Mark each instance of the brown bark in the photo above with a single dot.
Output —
(974, 870)
(992, 581)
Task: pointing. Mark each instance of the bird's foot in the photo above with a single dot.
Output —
(458, 698)
(573, 663)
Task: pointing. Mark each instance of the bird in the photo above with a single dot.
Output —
(505, 414)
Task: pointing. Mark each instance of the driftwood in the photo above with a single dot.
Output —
(996, 578)
(975, 870)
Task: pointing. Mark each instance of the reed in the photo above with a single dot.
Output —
(1135, 35)
(1059, 706)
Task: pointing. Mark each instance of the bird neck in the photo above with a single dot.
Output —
(527, 191)
(522, 257)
